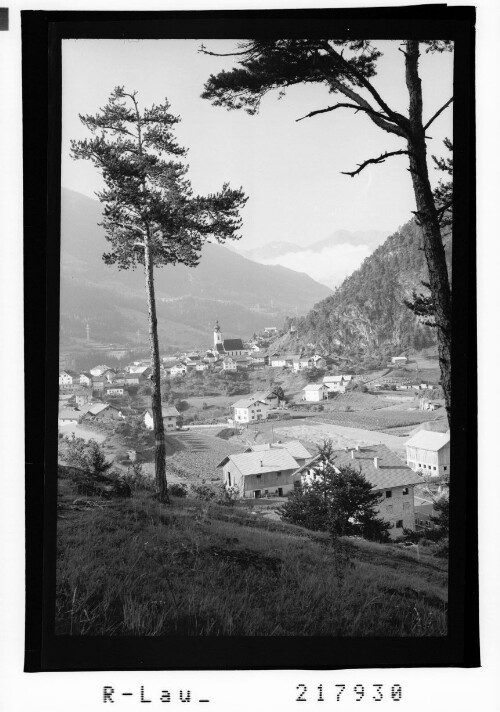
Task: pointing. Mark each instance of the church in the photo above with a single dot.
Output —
(227, 347)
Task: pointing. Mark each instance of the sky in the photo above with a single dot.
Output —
(291, 171)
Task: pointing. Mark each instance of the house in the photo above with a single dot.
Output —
(429, 452)
(85, 379)
(271, 330)
(300, 454)
(258, 359)
(99, 370)
(68, 416)
(132, 379)
(98, 384)
(315, 392)
(229, 364)
(301, 363)
(249, 410)
(387, 474)
(335, 384)
(318, 361)
(399, 360)
(100, 411)
(202, 366)
(268, 397)
(139, 368)
(178, 369)
(261, 473)
(423, 514)
(67, 378)
(82, 397)
(169, 413)
(277, 361)
(227, 347)
(114, 390)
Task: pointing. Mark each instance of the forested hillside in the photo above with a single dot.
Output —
(366, 318)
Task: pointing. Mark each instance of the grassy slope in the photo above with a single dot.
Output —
(134, 567)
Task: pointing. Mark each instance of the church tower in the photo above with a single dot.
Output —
(217, 335)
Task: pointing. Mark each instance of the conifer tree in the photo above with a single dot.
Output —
(151, 217)
(347, 68)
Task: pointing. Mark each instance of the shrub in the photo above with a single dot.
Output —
(177, 489)
(137, 480)
(204, 492)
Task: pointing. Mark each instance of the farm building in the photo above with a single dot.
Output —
(315, 392)
(387, 474)
(299, 364)
(100, 411)
(249, 410)
(169, 413)
(259, 474)
(429, 452)
(268, 397)
(399, 360)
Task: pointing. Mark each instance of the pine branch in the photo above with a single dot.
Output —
(440, 111)
(380, 159)
(356, 107)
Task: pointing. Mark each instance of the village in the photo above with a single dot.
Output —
(248, 415)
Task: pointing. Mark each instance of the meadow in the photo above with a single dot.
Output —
(135, 567)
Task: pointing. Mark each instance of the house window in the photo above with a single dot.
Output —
(405, 490)
(279, 474)
(419, 464)
(259, 476)
(388, 494)
(445, 468)
(399, 524)
(434, 468)
(229, 479)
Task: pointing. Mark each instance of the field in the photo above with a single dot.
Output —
(381, 419)
(135, 567)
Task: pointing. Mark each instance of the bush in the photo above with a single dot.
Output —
(137, 480)
(177, 489)
(204, 492)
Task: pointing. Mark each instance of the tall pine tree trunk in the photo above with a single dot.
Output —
(159, 431)
(428, 218)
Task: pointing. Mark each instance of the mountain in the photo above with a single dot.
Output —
(328, 261)
(243, 295)
(366, 318)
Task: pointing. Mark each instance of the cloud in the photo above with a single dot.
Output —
(329, 266)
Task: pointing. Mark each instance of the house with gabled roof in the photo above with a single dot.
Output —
(169, 414)
(260, 474)
(100, 411)
(428, 452)
(249, 410)
(300, 453)
(99, 370)
(387, 474)
(67, 378)
(315, 392)
(268, 397)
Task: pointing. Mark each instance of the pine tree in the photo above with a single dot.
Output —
(151, 217)
(346, 68)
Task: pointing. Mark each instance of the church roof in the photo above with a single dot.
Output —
(233, 345)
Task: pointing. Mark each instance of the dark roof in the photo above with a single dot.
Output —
(391, 471)
(219, 347)
(233, 345)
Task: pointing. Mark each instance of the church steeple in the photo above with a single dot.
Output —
(217, 334)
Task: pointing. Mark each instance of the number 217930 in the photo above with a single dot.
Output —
(357, 693)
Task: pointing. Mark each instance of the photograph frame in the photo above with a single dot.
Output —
(43, 33)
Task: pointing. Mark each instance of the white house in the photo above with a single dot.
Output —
(99, 370)
(299, 364)
(300, 453)
(315, 392)
(386, 473)
(169, 413)
(429, 452)
(67, 378)
(179, 369)
(114, 390)
(335, 384)
(229, 364)
(85, 379)
(261, 473)
(249, 410)
(401, 360)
